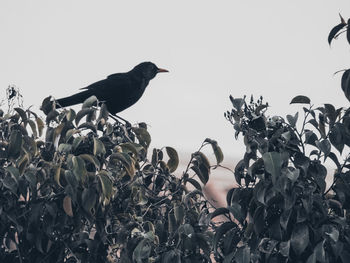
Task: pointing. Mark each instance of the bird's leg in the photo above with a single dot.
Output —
(116, 117)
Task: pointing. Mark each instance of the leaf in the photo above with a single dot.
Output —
(324, 146)
(332, 156)
(142, 251)
(202, 174)
(219, 211)
(300, 238)
(126, 161)
(143, 136)
(273, 164)
(99, 148)
(67, 205)
(220, 232)
(33, 127)
(348, 32)
(173, 161)
(237, 103)
(22, 114)
(336, 136)
(194, 183)
(88, 125)
(65, 147)
(88, 199)
(41, 125)
(236, 211)
(89, 102)
(57, 175)
(300, 99)
(14, 148)
(107, 186)
(92, 159)
(334, 32)
(83, 113)
(243, 255)
(179, 213)
(70, 115)
(267, 245)
(79, 169)
(217, 150)
(293, 120)
(345, 83)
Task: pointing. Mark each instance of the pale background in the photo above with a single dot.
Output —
(212, 49)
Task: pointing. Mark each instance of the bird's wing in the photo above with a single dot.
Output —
(112, 86)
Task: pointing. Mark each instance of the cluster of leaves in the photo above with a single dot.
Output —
(86, 192)
(282, 210)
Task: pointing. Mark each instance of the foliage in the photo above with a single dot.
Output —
(282, 210)
(88, 193)
(75, 187)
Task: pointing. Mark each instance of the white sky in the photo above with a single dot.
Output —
(212, 49)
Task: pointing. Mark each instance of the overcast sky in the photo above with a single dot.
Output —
(212, 49)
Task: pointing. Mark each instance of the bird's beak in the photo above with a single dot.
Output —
(162, 70)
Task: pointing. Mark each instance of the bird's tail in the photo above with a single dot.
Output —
(72, 100)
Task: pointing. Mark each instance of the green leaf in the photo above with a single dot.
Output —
(173, 161)
(89, 102)
(220, 211)
(76, 142)
(33, 127)
(79, 169)
(126, 161)
(273, 164)
(107, 186)
(142, 251)
(143, 136)
(40, 125)
(300, 238)
(334, 31)
(14, 148)
(203, 176)
(237, 103)
(92, 159)
(70, 115)
(300, 99)
(324, 146)
(220, 232)
(293, 119)
(65, 147)
(67, 205)
(194, 183)
(345, 83)
(267, 245)
(179, 213)
(99, 148)
(83, 113)
(236, 211)
(22, 113)
(217, 150)
(88, 199)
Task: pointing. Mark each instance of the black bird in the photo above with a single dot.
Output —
(119, 91)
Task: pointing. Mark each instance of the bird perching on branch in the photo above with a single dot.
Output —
(118, 91)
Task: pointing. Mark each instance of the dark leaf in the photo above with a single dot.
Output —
(267, 245)
(237, 103)
(89, 102)
(334, 159)
(273, 164)
(219, 211)
(348, 32)
(143, 136)
(236, 210)
(14, 148)
(293, 119)
(345, 82)
(300, 238)
(83, 113)
(173, 161)
(194, 183)
(67, 205)
(324, 146)
(300, 99)
(334, 32)
(220, 232)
